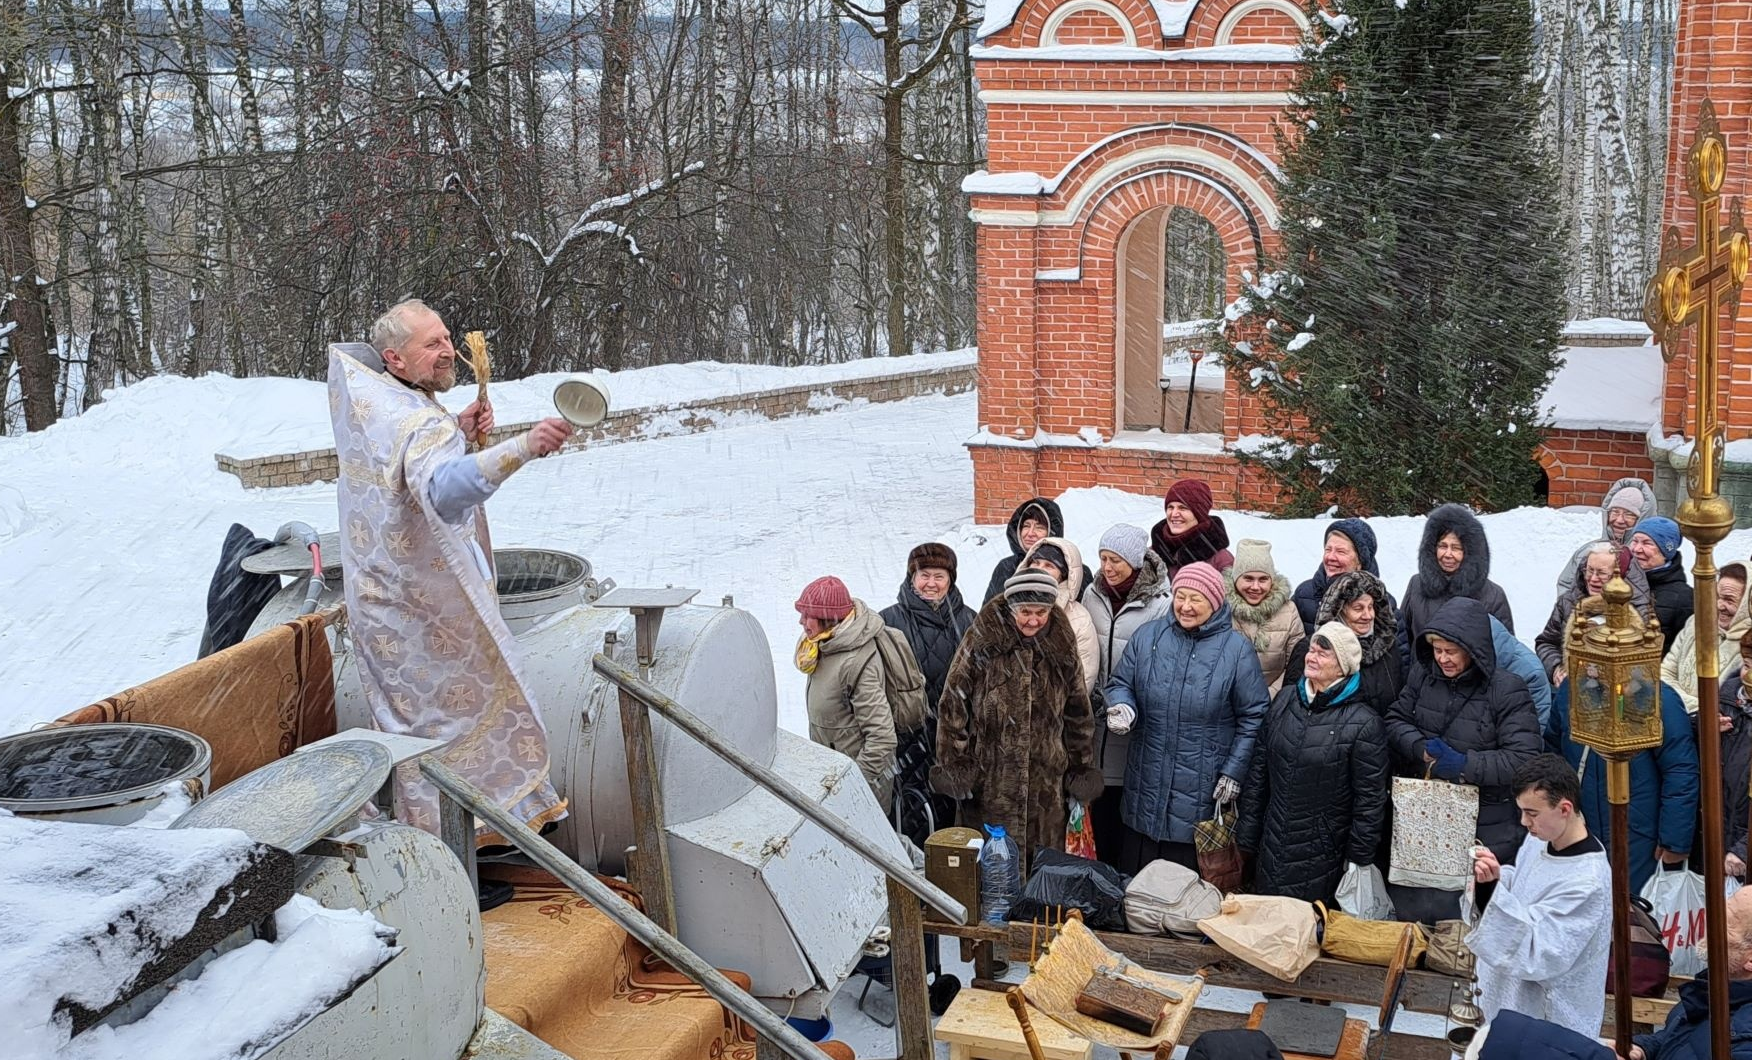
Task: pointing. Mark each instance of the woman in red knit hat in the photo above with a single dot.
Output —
(1188, 532)
(847, 700)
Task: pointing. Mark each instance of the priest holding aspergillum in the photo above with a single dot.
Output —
(436, 660)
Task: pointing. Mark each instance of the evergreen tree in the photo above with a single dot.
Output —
(1412, 324)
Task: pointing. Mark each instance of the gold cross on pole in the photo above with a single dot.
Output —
(1692, 282)
(1691, 286)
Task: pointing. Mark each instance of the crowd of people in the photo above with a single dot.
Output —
(1179, 676)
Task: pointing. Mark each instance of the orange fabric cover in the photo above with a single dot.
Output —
(253, 702)
(560, 969)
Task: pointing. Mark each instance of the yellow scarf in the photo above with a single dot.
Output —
(809, 650)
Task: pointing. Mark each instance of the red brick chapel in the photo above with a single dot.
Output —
(1105, 115)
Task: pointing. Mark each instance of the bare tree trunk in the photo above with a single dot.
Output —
(894, 179)
(105, 353)
(27, 311)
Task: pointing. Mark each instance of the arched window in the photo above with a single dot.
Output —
(1171, 270)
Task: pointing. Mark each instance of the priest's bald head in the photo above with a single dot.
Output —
(1739, 935)
(415, 345)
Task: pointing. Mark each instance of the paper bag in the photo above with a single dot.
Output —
(1275, 935)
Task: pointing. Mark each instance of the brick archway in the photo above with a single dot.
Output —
(1087, 133)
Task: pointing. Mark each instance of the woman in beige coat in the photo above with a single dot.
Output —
(1679, 668)
(1262, 610)
(848, 705)
(1058, 557)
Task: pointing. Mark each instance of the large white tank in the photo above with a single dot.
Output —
(758, 887)
(713, 660)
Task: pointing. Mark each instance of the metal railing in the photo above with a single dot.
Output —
(463, 796)
(648, 867)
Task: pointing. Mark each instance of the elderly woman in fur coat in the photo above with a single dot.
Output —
(1262, 610)
(1015, 735)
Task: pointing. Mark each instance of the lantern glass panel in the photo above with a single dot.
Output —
(1642, 702)
(1593, 706)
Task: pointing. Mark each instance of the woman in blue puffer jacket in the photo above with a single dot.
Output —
(1188, 689)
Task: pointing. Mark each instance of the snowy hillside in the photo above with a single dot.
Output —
(110, 524)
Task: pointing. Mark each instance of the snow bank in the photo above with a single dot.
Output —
(1606, 388)
(62, 888)
(248, 999)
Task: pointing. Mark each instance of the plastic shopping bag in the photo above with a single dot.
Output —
(1079, 833)
(1676, 896)
(1363, 894)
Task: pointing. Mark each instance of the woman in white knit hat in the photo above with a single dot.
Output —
(1264, 613)
(1130, 589)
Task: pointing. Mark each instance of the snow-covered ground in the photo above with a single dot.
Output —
(110, 524)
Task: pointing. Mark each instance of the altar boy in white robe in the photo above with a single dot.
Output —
(1543, 941)
(435, 657)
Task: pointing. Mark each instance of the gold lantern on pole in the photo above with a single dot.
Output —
(1613, 657)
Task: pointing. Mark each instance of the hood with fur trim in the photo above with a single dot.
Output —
(1474, 568)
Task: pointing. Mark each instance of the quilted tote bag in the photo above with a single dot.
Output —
(1435, 827)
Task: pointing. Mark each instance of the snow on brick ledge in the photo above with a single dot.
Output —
(1606, 388)
(664, 400)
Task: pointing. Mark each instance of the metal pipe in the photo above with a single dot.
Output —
(784, 790)
(617, 909)
(305, 534)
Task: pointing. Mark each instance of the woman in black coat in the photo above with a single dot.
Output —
(1452, 560)
(1462, 719)
(1361, 602)
(930, 614)
(1316, 795)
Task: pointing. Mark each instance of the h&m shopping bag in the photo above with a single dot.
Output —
(1676, 897)
(1435, 827)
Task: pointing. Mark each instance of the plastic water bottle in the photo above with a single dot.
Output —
(1000, 875)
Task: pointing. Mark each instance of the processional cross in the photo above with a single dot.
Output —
(1690, 287)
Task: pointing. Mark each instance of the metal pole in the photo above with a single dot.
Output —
(784, 790)
(635, 923)
(1191, 395)
(1710, 766)
(1618, 795)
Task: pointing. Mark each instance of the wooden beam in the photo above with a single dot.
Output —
(648, 862)
(912, 1006)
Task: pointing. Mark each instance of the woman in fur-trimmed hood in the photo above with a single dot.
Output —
(1453, 560)
(1360, 601)
(1015, 734)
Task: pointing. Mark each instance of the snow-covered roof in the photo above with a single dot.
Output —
(1121, 53)
(1605, 326)
(1172, 14)
(1606, 388)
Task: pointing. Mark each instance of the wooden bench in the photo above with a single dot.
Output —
(1324, 980)
(980, 1026)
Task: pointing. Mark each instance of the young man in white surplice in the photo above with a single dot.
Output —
(1543, 940)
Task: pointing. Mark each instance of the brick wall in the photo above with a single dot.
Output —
(320, 465)
(1581, 464)
(1713, 59)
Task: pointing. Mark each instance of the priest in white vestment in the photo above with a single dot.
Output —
(435, 658)
(1543, 941)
